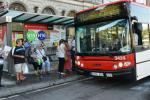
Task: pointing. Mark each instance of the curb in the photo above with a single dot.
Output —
(4, 92)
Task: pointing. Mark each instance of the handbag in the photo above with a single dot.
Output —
(44, 58)
(30, 60)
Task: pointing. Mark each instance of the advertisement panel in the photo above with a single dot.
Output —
(37, 33)
(2, 35)
(15, 36)
(55, 37)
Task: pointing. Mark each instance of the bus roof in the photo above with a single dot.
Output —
(110, 4)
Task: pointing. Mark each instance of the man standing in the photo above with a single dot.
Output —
(19, 60)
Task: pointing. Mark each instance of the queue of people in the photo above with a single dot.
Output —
(24, 54)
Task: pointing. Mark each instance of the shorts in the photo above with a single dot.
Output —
(19, 68)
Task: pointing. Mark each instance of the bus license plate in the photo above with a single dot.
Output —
(109, 75)
(97, 74)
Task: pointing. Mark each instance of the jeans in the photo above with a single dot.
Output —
(46, 65)
(61, 64)
(1, 71)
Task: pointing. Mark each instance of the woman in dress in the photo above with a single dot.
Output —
(67, 65)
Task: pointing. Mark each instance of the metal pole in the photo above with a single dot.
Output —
(93, 3)
(83, 4)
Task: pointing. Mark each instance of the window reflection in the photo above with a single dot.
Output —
(145, 36)
(105, 37)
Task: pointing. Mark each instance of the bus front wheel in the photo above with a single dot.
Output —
(132, 76)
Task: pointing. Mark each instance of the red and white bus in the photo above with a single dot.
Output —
(114, 40)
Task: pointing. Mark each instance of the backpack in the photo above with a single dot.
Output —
(29, 58)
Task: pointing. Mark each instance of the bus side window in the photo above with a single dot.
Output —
(145, 36)
(138, 31)
(142, 31)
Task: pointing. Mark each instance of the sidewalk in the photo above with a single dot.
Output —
(33, 82)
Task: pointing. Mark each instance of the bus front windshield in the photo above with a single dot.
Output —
(104, 38)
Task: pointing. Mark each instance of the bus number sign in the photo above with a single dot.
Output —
(120, 58)
(100, 12)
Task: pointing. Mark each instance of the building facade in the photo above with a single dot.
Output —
(54, 7)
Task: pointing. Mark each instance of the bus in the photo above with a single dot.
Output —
(113, 40)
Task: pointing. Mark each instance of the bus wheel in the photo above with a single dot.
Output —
(132, 76)
(79, 72)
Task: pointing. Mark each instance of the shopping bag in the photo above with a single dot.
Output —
(25, 69)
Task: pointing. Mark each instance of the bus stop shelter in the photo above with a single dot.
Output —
(17, 22)
(26, 17)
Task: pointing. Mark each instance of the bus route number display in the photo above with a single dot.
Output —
(100, 12)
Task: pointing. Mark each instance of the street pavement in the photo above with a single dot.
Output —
(91, 89)
(33, 82)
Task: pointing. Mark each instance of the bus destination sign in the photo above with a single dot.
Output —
(100, 12)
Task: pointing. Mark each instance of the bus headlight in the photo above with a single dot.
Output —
(78, 57)
(82, 65)
(120, 64)
(78, 63)
(127, 63)
(115, 66)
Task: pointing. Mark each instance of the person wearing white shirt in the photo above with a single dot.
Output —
(61, 56)
(45, 64)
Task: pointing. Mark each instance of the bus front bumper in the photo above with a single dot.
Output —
(101, 73)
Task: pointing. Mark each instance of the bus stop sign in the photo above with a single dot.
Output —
(31, 35)
(41, 35)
